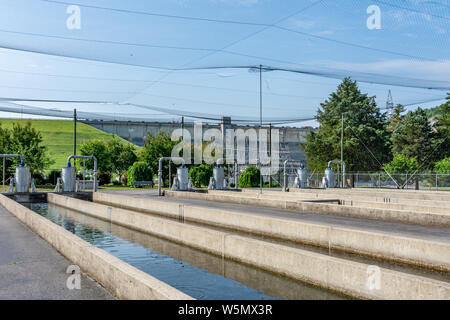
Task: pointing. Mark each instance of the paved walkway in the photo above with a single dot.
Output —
(31, 269)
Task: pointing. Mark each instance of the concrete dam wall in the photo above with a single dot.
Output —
(135, 132)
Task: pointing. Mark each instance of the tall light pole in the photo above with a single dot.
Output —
(342, 149)
(260, 128)
(74, 135)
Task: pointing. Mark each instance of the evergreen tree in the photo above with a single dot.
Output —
(442, 127)
(414, 138)
(364, 125)
(396, 117)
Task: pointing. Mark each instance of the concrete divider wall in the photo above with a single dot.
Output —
(404, 216)
(396, 248)
(329, 272)
(118, 277)
(417, 204)
(309, 206)
(393, 193)
(397, 206)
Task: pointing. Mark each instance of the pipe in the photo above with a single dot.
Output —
(236, 168)
(22, 162)
(218, 162)
(285, 174)
(183, 163)
(343, 169)
(95, 166)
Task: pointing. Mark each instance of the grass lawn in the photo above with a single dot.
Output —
(58, 137)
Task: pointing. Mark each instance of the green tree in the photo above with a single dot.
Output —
(396, 117)
(399, 167)
(139, 171)
(156, 148)
(122, 156)
(200, 175)
(99, 149)
(443, 166)
(250, 178)
(442, 127)
(5, 148)
(414, 138)
(402, 164)
(27, 141)
(364, 125)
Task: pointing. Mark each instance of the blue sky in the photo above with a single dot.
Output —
(124, 51)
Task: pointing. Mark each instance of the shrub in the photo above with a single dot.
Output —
(39, 179)
(53, 176)
(443, 166)
(117, 183)
(250, 178)
(124, 178)
(200, 175)
(139, 171)
(104, 178)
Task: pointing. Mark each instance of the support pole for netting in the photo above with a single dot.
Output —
(260, 128)
(270, 155)
(4, 164)
(75, 135)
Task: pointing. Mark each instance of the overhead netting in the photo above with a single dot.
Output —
(162, 59)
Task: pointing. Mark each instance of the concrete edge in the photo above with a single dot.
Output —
(402, 249)
(420, 205)
(118, 277)
(307, 206)
(332, 273)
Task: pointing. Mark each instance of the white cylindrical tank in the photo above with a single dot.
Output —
(329, 175)
(183, 178)
(218, 175)
(68, 177)
(302, 177)
(22, 179)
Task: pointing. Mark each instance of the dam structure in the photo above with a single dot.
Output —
(135, 132)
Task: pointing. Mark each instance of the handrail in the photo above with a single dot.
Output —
(160, 169)
(285, 174)
(95, 166)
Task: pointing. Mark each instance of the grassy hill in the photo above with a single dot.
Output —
(58, 136)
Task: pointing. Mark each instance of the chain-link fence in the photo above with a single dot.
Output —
(418, 181)
(411, 181)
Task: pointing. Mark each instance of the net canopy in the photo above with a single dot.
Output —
(162, 59)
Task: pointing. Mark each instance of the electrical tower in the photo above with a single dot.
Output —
(390, 103)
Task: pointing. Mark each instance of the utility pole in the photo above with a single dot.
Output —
(182, 127)
(342, 150)
(270, 155)
(74, 134)
(4, 171)
(260, 128)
